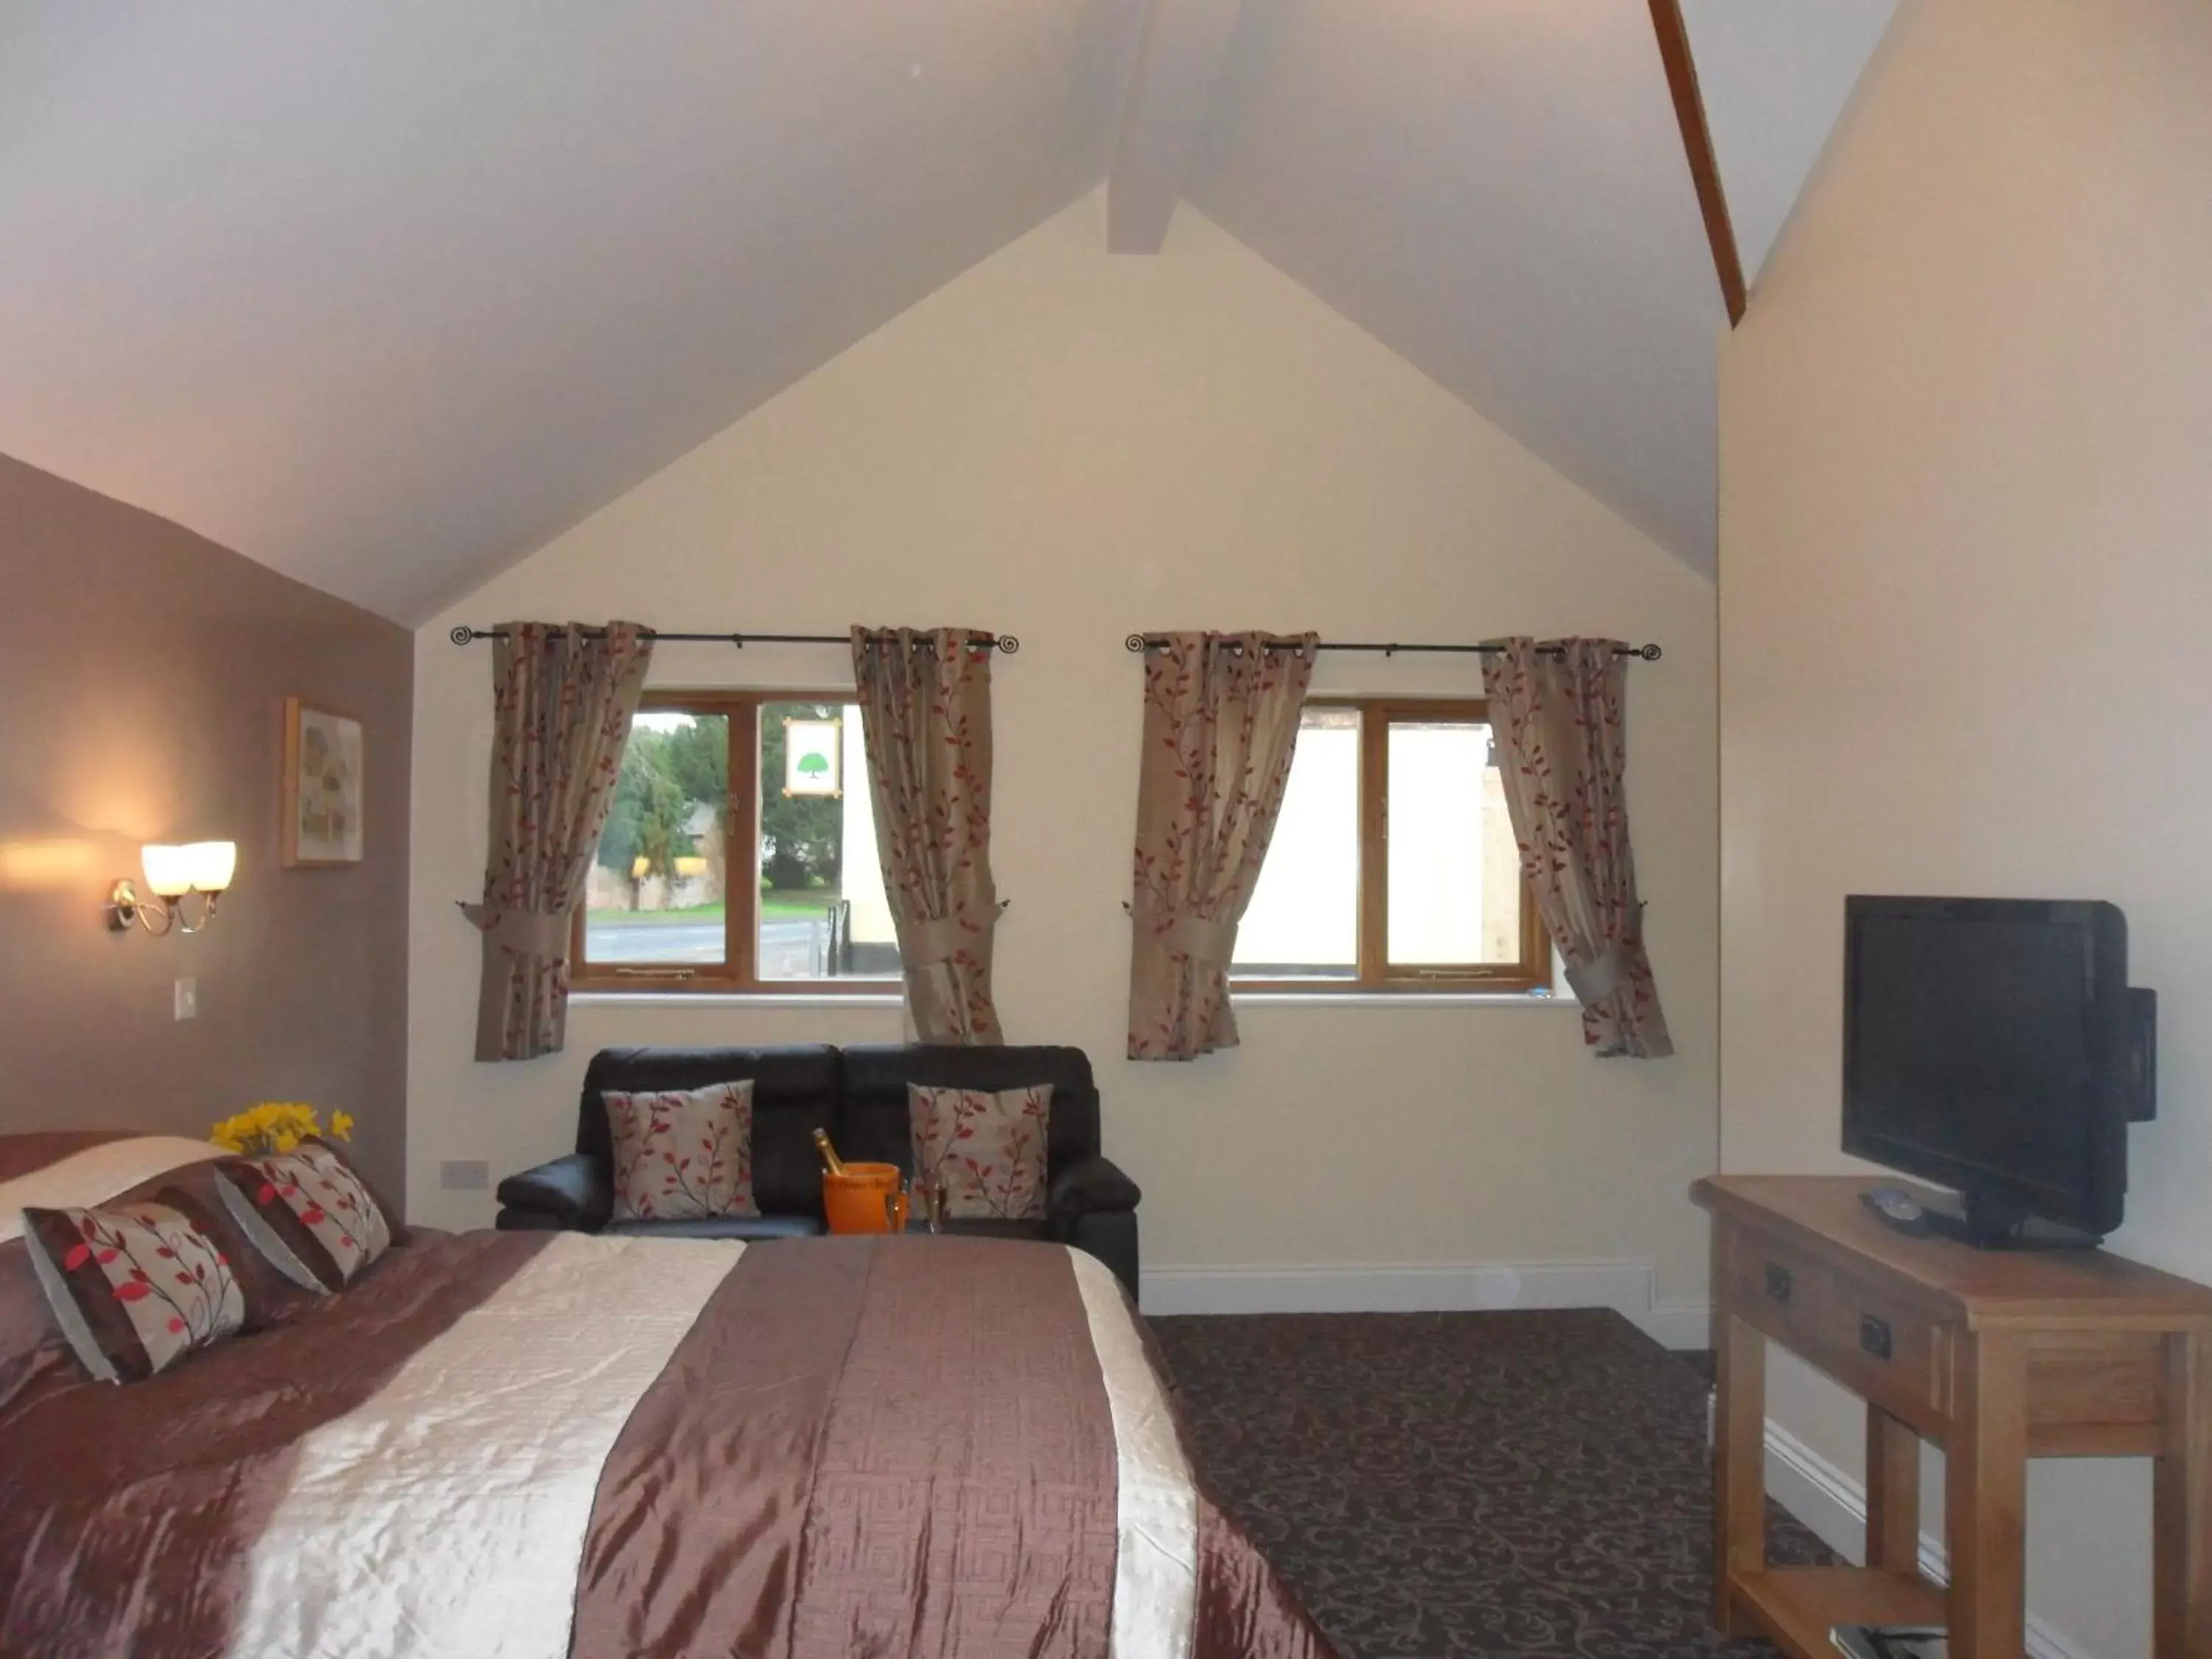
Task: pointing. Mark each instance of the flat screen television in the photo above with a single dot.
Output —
(1994, 1046)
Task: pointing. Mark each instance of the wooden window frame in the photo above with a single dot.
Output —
(1532, 972)
(736, 974)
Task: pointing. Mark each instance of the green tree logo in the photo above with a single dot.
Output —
(813, 764)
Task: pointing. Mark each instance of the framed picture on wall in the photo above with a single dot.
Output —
(322, 788)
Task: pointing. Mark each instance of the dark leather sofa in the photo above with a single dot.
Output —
(858, 1094)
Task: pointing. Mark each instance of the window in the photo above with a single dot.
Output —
(740, 853)
(1394, 866)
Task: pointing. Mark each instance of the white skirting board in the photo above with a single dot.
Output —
(1832, 1505)
(1430, 1287)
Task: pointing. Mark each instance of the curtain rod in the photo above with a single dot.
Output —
(1156, 641)
(1005, 642)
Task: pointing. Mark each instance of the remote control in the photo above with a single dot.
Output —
(1898, 1208)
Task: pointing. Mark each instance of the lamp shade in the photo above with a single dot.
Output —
(211, 863)
(205, 866)
(168, 870)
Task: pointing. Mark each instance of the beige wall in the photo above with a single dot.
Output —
(1070, 447)
(142, 677)
(1966, 574)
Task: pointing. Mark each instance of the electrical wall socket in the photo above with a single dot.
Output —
(468, 1174)
(188, 998)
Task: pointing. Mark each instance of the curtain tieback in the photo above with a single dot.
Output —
(1202, 938)
(1603, 975)
(526, 933)
(938, 938)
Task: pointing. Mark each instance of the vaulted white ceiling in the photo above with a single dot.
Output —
(385, 295)
(1500, 192)
(1775, 77)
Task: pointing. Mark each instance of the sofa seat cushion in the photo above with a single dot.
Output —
(800, 1226)
(722, 1226)
(994, 1228)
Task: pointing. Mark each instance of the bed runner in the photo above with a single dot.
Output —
(911, 1451)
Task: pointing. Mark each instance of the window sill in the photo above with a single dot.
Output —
(1398, 999)
(761, 999)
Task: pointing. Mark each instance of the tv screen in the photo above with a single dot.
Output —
(1985, 1048)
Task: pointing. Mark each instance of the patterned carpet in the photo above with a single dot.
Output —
(1448, 1484)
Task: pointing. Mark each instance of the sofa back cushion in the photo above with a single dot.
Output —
(875, 1123)
(794, 1093)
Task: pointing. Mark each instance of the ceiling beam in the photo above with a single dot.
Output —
(1179, 56)
(1697, 143)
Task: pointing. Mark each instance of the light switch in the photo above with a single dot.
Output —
(188, 998)
(465, 1175)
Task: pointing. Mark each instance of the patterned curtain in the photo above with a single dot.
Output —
(1557, 717)
(926, 721)
(1221, 720)
(562, 704)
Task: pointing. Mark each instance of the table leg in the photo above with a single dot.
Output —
(1738, 1452)
(2181, 1505)
(1985, 1497)
(1892, 1484)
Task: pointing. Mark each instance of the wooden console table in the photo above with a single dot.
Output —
(1996, 1357)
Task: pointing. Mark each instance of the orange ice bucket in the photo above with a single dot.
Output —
(865, 1199)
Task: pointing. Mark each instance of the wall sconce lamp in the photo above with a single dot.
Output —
(173, 875)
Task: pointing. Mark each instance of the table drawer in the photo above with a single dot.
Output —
(1785, 1293)
(2096, 1393)
(1879, 1346)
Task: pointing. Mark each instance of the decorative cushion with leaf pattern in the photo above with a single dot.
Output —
(134, 1287)
(683, 1154)
(987, 1151)
(308, 1214)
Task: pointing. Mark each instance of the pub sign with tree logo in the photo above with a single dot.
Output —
(812, 752)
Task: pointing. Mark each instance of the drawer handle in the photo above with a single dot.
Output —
(1873, 1335)
(1777, 1281)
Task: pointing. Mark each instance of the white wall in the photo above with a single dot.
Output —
(1966, 493)
(1070, 447)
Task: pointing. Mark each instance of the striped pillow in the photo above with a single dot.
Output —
(134, 1287)
(307, 1212)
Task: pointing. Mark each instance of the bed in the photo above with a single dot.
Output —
(527, 1445)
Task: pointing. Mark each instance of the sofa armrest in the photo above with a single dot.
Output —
(575, 1192)
(1089, 1184)
(1109, 1235)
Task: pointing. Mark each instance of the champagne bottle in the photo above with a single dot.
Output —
(830, 1161)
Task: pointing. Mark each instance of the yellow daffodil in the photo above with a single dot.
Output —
(276, 1126)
